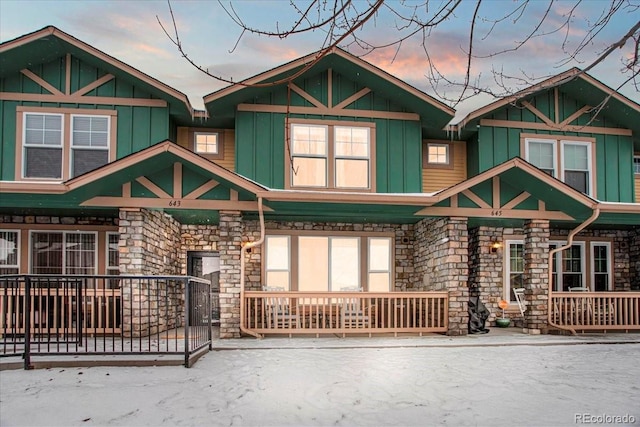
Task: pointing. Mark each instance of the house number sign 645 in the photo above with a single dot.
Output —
(496, 213)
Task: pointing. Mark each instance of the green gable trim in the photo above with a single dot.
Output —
(49, 45)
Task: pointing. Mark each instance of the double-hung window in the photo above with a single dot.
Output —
(9, 251)
(334, 156)
(89, 143)
(61, 143)
(569, 161)
(636, 165)
(43, 148)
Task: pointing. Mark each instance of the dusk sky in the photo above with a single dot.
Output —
(129, 31)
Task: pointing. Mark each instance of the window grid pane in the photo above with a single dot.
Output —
(43, 129)
(542, 155)
(46, 253)
(9, 249)
(90, 131)
(438, 154)
(636, 165)
(206, 143)
(80, 253)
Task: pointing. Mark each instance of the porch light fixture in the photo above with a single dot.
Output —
(495, 246)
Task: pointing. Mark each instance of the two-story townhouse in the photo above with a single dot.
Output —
(341, 179)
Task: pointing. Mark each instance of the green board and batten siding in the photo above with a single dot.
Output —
(138, 127)
(260, 137)
(495, 145)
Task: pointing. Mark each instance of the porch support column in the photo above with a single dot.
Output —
(149, 246)
(441, 257)
(536, 274)
(229, 245)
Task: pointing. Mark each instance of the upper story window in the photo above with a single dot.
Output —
(59, 144)
(42, 146)
(437, 155)
(89, 143)
(206, 143)
(569, 161)
(332, 156)
(636, 165)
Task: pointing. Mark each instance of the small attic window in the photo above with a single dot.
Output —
(437, 155)
(206, 142)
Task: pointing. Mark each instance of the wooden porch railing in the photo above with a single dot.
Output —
(57, 310)
(596, 310)
(304, 313)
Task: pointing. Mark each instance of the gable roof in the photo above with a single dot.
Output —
(432, 111)
(147, 160)
(579, 85)
(49, 43)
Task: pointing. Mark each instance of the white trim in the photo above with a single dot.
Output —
(326, 156)
(337, 157)
(506, 290)
(17, 248)
(447, 153)
(553, 142)
(560, 270)
(609, 264)
(25, 145)
(107, 267)
(195, 142)
(266, 259)
(389, 270)
(589, 170)
(72, 147)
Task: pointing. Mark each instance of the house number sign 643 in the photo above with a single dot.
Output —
(174, 203)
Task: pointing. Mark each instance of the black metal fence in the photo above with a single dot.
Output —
(104, 315)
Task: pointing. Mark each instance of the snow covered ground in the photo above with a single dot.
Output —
(402, 386)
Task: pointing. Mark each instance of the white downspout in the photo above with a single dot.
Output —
(243, 252)
(593, 217)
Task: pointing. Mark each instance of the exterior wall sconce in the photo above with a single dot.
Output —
(495, 246)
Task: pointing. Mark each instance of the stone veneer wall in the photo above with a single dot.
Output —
(536, 274)
(197, 238)
(634, 257)
(486, 268)
(57, 220)
(231, 232)
(149, 245)
(441, 259)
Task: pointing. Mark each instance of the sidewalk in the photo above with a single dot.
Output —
(495, 337)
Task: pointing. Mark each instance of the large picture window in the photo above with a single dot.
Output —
(331, 156)
(61, 143)
(63, 253)
(320, 263)
(569, 161)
